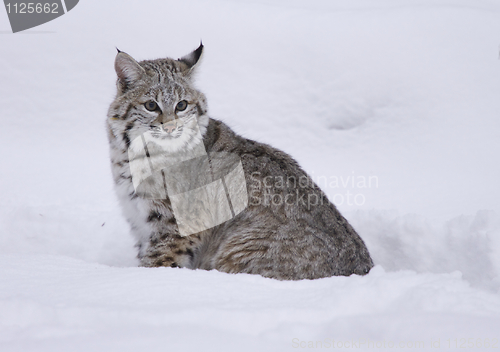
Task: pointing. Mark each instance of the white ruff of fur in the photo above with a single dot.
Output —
(162, 142)
(154, 151)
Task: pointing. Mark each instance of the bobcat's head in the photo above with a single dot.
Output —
(157, 98)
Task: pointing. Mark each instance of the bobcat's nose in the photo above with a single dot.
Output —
(169, 127)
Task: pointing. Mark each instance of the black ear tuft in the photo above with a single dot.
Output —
(192, 58)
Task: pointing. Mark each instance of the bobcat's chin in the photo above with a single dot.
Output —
(174, 142)
(162, 135)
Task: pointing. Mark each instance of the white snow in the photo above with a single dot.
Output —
(392, 106)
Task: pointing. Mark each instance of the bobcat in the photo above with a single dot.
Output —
(199, 196)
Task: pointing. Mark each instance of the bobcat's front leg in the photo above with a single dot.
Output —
(171, 251)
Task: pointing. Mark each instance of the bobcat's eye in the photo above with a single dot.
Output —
(181, 106)
(150, 105)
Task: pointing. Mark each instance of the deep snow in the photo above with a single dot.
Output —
(391, 106)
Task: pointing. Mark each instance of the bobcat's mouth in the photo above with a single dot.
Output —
(161, 133)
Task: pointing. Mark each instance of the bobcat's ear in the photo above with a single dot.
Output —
(188, 62)
(127, 70)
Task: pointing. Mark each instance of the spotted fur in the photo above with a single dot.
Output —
(288, 241)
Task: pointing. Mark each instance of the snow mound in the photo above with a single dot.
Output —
(59, 303)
